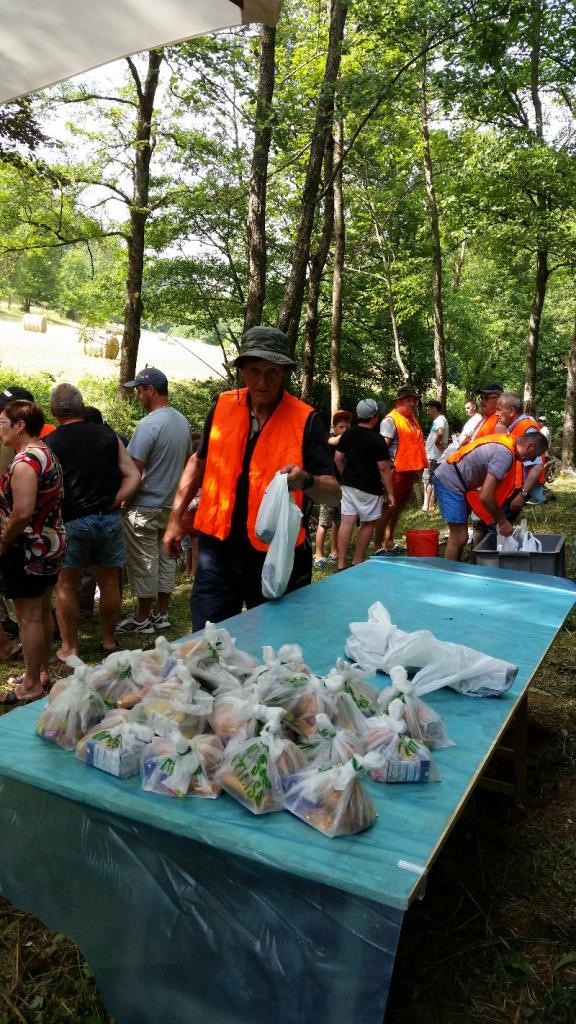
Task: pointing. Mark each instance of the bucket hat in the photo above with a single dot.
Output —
(265, 343)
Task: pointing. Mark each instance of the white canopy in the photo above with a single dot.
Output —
(47, 41)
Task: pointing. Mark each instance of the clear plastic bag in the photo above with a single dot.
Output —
(254, 771)
(351, 680)
(75, 709)
(422, 721)
(175, 766)
(277, 524)
(213, 657)
(179, 702)
(334, 800)
(406, 759)
(281, 677)
(329, 745)
(115, 745)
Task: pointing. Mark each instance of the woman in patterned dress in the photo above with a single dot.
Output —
(32, 540)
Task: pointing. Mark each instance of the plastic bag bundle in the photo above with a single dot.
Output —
(329, 745)
(277, 524)
(422, 721)
(213, 657)
(167, 706)
(114, 681)
(254, 771)
(307, 701)
(352, 681)
(238, 714)
(281, 677)
(115, 745)
(175, 766)
(525, 540)
(405, 759)
(75, 709)
(378, 645)
(334, 800)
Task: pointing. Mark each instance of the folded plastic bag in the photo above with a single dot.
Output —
(329, 745)
(115, 745)
(422, 721)
(378, 645)
(406, 759)
(277, 524)
(334, 800)
(175, 766)
(254, 770)
(76, 709)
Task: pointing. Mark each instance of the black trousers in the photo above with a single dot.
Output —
(229, 577)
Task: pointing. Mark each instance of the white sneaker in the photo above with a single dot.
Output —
(133, 625)
(160, 620)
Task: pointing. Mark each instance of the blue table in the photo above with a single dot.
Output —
(196, 910)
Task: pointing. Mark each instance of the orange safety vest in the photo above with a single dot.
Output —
(279, 443)
(505, 488)
(486, 426)
(411, 453)
(517, 430)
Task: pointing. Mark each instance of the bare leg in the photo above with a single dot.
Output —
(144, 608)
(347, 524)
(110, 601)
(30, 617)
(162, 602)
(458, 536)
(428, 498)
(334, 541)
(363, 538)
(8, 647)
(391, 521)
(68, 611)
(319, 542)
(48, 626)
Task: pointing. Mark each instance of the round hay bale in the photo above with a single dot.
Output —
(34, 322)
(111, 347)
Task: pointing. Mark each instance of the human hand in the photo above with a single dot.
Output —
(296, 476)
(518, 502)
(391, 501)
(505, 528)
(172, 540)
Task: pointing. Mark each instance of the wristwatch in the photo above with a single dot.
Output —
(524, 493)
(309, 482)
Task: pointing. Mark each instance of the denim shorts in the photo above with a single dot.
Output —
(453, 506)
(95, 540)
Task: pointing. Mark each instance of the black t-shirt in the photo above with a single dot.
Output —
(363, 449)
(316, 457)
(88, 454)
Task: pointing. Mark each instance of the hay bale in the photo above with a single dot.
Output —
(111, 347)
(98, 344)
(34, 322)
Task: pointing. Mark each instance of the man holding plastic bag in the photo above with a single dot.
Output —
(251, 436)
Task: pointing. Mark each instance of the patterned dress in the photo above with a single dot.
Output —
(44, 539)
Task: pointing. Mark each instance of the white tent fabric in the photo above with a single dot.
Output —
(46, 41)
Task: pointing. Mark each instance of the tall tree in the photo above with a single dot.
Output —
(338, 273)
(439, 342)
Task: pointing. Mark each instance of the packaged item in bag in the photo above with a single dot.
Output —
(114, 680)
(236, 713)
(334, 800)
(329, 745)
(176, 766)
(254, 771)
(212, 657)
(351, 680)
(405, 759)
(422, 721)
(115, 745)
(307, 701)
(76, 709)
(179, 702)
(281, 677)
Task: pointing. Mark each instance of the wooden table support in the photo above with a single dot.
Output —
(513, 748)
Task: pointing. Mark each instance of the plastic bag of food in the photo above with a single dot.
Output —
(277, 524)
(334, 800)
(306, 702)
(176, 766)
(212, 657)
(351, 680)
(281, 677)
(329, 745)
(114, 681)
(115, 745)
(76, 708)
(422, 721)
(179, 702)
(237, 714)
(405, 759)
(254, 770)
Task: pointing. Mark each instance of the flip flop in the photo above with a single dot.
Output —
(10, 699)
(396, 550)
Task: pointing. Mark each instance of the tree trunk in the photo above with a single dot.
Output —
(542, 275)
(290, 310)
(338, 274)
(459, 265)
(256, 223)
(569, 429)
(139, 213)
(439, 341)
(315, 273)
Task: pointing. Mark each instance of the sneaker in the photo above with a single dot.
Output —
(320, 563)
(333, 559)
(133, 625)
(160, 620)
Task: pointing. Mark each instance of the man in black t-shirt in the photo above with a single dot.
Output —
(98, 476)
(363, 461)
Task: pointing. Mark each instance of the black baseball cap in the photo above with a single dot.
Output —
(150, 377)
(490, 389)
(12, 393)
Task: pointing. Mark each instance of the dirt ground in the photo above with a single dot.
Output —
(59, 347)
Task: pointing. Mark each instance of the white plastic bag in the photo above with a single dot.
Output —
(334, 800)
(277, 524)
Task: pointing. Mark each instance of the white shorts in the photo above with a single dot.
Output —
(368, 507)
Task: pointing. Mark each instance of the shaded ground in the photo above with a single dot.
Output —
(494, 940)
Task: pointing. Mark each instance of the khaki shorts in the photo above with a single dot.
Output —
(329, 515)
(150, 572)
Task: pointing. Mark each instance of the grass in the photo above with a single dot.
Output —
(494, 940)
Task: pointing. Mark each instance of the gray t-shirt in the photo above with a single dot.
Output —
(162, 442)
(390, 435)
(440, 423)
(473, 468)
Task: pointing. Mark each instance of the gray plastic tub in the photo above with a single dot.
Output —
(551, 560)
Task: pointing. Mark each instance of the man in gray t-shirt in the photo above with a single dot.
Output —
(480, 470)
(160, 447)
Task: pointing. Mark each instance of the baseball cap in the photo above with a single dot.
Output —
(408, 391)
(149, 377)
(366, 408)
(542, 419)
(265, 343)
(490, 389)
(12, 393)
(342, 414)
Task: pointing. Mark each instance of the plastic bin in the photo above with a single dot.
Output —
(424, 543)
(551, 560)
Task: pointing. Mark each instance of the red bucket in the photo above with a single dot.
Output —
(423, 543)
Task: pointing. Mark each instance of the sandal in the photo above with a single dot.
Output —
(9, 698)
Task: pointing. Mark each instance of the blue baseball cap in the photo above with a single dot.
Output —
(149, 377)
